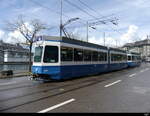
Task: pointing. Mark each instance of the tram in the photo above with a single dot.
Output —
(134, 59)
(64, 58)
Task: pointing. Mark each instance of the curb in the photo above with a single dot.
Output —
(13, 76)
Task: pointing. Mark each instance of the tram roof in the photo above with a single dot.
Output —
(78, 42)
(72, 41)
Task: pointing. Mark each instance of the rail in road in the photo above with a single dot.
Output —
(18, 93)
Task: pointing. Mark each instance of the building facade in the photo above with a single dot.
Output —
(13, 53)
(142, 47)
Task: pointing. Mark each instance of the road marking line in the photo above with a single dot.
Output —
(142, 71)
(9, 83)
(146, 69)
(132, 75)
(112, 83)
(56, 106)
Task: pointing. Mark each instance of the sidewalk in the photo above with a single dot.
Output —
(16, 74)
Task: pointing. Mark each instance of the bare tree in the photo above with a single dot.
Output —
(29, 32)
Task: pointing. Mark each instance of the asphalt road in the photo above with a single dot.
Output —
(121, 91)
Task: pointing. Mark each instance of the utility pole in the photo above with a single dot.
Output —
(87, 29)
(116, 43)
(104, 38)
(87, 36)
(61, 19)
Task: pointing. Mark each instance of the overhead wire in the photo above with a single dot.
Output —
(74, 5)
(102, 16)
(56, 12)
(92, 9)
(97, 13)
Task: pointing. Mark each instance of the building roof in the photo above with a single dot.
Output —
(11, 47)
(138, 43)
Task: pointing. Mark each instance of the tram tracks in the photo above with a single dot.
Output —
(54, 91)
(47, 88)
(66, 90)
(19, 87)
(37, 84)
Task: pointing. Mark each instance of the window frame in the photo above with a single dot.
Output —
(62, 60)
(74, 58)
(57, 61)
(41, 60)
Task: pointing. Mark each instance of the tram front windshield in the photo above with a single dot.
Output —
(38, 54)
(50, 54)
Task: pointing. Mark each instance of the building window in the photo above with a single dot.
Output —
(66, 54)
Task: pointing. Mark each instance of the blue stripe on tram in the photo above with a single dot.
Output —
(72, 71)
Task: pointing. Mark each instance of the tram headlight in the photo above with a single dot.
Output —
(36, 69)
(45, 70)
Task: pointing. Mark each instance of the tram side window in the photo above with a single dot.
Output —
(51, 54)
(78, 54)
(102, 56)
(133, 58)
(94, 56)
(105, 56)
(66, 54)
(115, 57)
(112, 57)
(120, 57)
(87, 55)
(125, 57)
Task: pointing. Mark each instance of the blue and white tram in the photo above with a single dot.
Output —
(65, 58)
(117, 60)
(134, 59)
(62, 58)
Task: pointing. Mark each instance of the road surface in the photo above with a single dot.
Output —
(121, 91)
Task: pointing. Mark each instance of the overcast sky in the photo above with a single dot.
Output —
(133, 15)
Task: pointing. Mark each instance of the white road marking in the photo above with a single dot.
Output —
(146, 69)
(112, 83)
(56, 106)
(142, 71)
(132, 75)
(9, 83)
